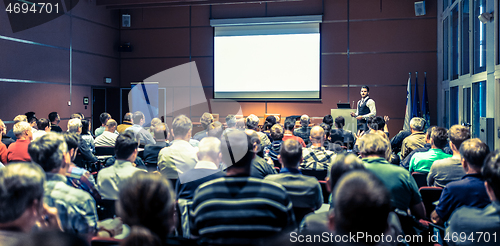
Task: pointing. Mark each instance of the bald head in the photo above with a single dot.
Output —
(317, 135)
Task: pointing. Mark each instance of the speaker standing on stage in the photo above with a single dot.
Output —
(366, 108)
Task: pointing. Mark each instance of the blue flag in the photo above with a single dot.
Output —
(425, 105)
(415, 109)
(406, 125)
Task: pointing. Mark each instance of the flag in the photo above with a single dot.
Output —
(425, 105)
(415, 104)
(406, 125)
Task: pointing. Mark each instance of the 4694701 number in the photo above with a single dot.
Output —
(36, 8)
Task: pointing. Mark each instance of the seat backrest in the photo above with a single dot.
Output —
(429, 196)
(104, 241)
(324, 191)
(300, 213)
(105, 150)
(420, 178)
(319, 174)
(106, 209)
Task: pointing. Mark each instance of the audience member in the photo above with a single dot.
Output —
(42, 128)
(141, 133)
(470, 190)
(108, 137)
(54, 122)
(180, 156)
(79, 177)
(275, 147)
(3, 148)
(151, 151)
(304, 191)
(127, 122)
(421, 162)
(154, 122)
(3, 131)
(473, 220)
(231, 196)
(266, 128)
(206, 169)
(205, 120)
(252, 123)
(17, 119)
(111, 179)
(76, 116)
(33, 123)
(450, 169)
(397, 140)
(87, 157)
(230, 123)
(347, 136)
(316, 157)
(416, 139)
(104, 117)
(288, 133)
(240, 124)
(328, 119)
(403, 188)
(30, 115)
(259, 168)
(21, 203)
(406, 161)
(215, 130)
(18, 151)
(87, 135)
(327, 144)
(304, 131)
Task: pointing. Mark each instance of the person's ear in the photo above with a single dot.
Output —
(331, 221)
(328, 185)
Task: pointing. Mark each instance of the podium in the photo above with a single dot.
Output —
(350, 122)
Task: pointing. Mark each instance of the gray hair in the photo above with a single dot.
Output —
(209, 146)
(304, 120)
(21, 127)
(48, 151)
(252, 122)
(417, 124)
(181, 125)
(373, 144)
(20, 185)
(74, 124)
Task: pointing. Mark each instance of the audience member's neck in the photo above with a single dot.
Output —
(54, 123)
(472, 170)
(414, 131)
(23, 137)
(238, 171)
(185, 138)
(434, 147)
(209, 159)
(288, 132)
(371, 156)
(293, 167)
(317, 144)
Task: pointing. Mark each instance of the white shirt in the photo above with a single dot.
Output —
(106, 139)
(110, 179)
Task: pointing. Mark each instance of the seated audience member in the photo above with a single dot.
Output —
(230, 197)
(127, 122)
(75, 207)
(230, 123)
(205, 120)
(304, 130)
(42, 128)
(108, 137)
(304, 191)
(33, 123)
(180, 157)
(147, 204)
(3, 148)
(450, 169)
(397, 140)
(422, 162)
(17, 119)
(327, 144)
(252, 123)
(416, 139)
(406, 161)
(87, 135)
(3, 131)
(240, 124)
(342, 163)
(472, 220)
(288, 134)
(362, 204)
(111, 179)
(206, 169)
(215, 130)
(346, 135)
(104, 117)
(259, 168)
(21, 203)
(18, 151)
(144, 136)
(76, 116)
(75, 126)
(54, 122)
(403, 188)
(317, 157)
(151, 151)
(274, 149)
(266, 128)
(328, 119)
(79, 177)
(470, 190)
(154, 122)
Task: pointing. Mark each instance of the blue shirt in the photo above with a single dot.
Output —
(144, 136)
(469, 191)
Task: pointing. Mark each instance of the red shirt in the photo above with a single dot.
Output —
(18, 151)
(3, 153)
(289, 136)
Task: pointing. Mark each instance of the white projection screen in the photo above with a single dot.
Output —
(275, 58)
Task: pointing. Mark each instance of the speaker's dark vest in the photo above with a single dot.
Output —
(363, 109)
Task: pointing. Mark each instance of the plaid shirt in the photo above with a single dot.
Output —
(316, 158)
(82, 179)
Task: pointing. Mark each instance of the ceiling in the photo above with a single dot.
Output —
(131, 4)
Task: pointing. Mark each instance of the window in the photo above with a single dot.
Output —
(446, 118)
(478, 105)
(445, 4)
(465, 37)
(454, 43)
(454, 105)
(445, 49)
(479, 38)
(467, 106)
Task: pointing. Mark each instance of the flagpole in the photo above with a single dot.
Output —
(406, 125)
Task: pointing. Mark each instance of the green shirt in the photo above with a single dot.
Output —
(422, 161)
(403, 188)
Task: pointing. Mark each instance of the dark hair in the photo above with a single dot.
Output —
(362, 204)
(458, 134)
(339, 122)
(42, 124)
(237, 148)
(125, 145)
(146, 204)
(366, 87)
(33, 119)
(230, 120)
(474, 152)
(277, 132)
(377, 123)
(327, 129)
(491, 172)
(440, 137)
(48, 151)
(291, 152)
(52, 116)
(289, 124)
(215, 129)
(270, 121)
(104, 117)
(328, 119)
(30, 115)
(341, 164)
(72, 139)
(137, 117)
(181, 125)
(85, 127)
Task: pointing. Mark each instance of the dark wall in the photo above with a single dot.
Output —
(375, 43)
(37, 64)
